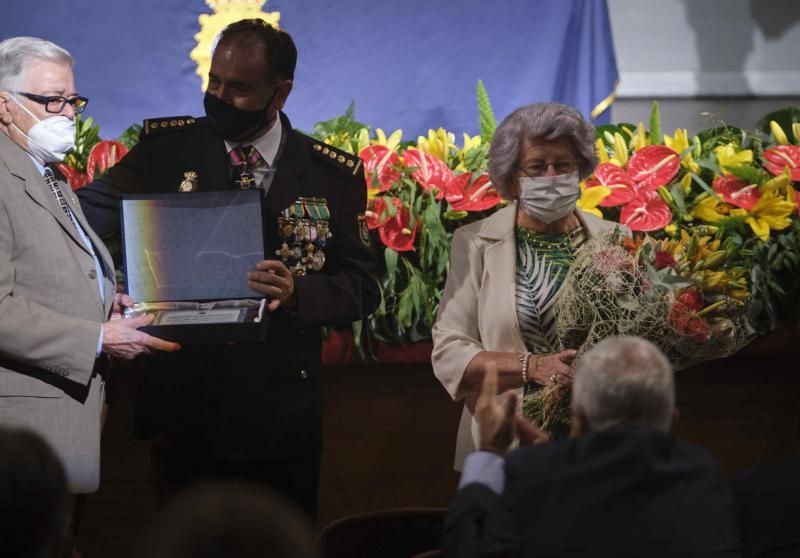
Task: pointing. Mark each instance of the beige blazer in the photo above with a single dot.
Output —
(477, 311)
(50, 317)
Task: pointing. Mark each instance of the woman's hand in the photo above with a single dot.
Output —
(552, 369)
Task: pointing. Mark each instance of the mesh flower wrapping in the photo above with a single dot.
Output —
(613, 290)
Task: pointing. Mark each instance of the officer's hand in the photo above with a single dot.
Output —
(273, 279)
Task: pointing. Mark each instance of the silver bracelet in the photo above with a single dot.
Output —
(525, 358)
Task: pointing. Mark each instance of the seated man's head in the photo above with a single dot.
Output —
(623, 380)
(228, 519)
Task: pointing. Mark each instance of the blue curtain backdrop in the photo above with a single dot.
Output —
(412, 65)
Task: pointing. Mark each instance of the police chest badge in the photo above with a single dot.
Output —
(189, 183)
(304, 230)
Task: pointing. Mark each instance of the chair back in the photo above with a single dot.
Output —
(395, 533)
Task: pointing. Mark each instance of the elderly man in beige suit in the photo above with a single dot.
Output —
(56, 276)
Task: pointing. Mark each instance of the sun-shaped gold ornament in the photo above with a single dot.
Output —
(225, 13)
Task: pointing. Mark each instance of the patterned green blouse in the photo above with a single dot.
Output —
(543, 260)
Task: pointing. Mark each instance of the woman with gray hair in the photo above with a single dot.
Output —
(506, 271)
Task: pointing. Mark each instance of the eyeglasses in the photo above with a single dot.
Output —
(55, 103)
(539, 168)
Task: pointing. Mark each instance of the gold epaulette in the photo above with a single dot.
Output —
(154, 126)
(338, 158)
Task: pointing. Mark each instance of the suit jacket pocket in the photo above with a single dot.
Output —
(14, 384)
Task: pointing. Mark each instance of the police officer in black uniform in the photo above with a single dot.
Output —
(252, 410)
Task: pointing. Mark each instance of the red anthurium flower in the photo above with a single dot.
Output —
(653, 166)
(76, 179)
(646, 212)
(781, 156)
(664, 259)
(736, 191)
(431, 172)
(395, 232)
(379, 166)
(376, 212)
(620, 182)
(467, 194)
(103, 156)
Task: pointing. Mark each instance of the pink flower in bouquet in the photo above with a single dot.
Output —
(431, 173)
(103, 156)
(653, 166)
(664, 259)
(395, 232)
(646, 212)
(380, 167)
(617, 179)
(466, 193)
(683, 316)
(736, 191)
(781, 156)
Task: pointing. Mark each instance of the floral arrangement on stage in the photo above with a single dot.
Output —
(719, 209)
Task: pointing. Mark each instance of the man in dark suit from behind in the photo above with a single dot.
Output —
(619, 486)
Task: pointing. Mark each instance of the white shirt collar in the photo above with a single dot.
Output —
(267, 144)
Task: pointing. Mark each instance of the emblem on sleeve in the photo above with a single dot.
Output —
(363, 230)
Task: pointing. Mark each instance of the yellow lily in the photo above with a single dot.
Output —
(778, 184)
(671, 229)
(591, 198)
(439, 143)
(361, 140)
(679, 143)
(602, 152)
(640, 139)
(792, 198)
(728, 156)
(686, 182)
(778, 133)
(391, 142)
(620, 157)
(469, 143)
(771, 212)
(707, 210)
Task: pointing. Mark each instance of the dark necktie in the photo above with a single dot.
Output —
(244, 159)
(56, 190)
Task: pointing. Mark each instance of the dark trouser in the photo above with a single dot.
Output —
(176, 468)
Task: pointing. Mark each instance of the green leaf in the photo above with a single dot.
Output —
(486, 119)
(785, 117)
(655, 124)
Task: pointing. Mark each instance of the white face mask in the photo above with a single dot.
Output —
(49, 140)
(549, 198)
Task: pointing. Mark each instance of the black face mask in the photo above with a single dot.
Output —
(233, 123)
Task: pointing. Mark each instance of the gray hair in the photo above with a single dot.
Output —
(624, 380)
(16, 53)
(538, 121)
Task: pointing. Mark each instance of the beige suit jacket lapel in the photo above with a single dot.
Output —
(20, 165)
(500, 267)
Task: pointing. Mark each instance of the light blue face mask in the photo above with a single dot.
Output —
(49, 140)
(549, 198)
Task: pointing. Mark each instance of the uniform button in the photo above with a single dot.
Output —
(304, 374)
(92, 274)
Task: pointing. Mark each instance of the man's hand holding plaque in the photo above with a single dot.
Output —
(122, 338)
(274, 280)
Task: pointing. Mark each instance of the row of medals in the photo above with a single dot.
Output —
(304, 232)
